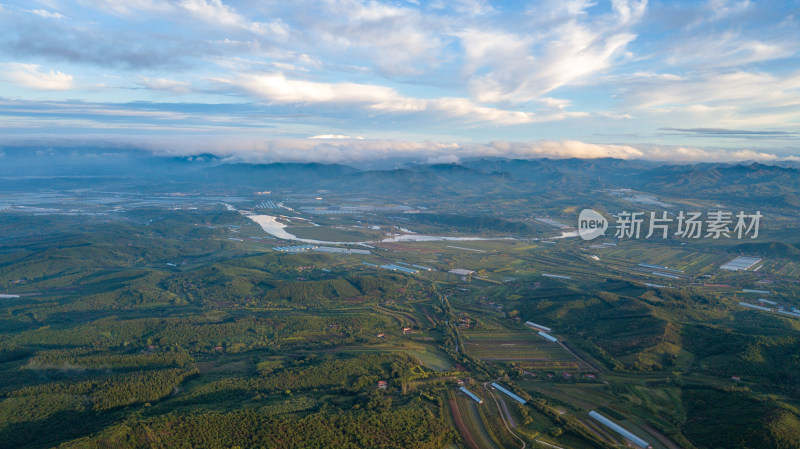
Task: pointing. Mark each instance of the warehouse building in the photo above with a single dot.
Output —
(471, 395)
(510, 394)
(539, 326)
(548, 336)
(620, 430)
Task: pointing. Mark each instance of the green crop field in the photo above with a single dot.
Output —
(517, 346)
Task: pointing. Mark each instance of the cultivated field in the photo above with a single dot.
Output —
(514, 346)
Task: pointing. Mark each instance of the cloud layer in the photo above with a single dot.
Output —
(34, 77)
(585, 78)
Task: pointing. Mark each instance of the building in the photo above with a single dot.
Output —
(407, 330)
(381, 335)
(538, 326)
(509, 394)
(620, 430)
(332, 249)
(753, 306)
(740, 263)
(556, 276)
(471, 395)
(736, 378)
(548, 337)
(382, 384)
(394, 267)
(294, 249)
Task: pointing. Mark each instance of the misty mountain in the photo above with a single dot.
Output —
(754, 183)
(275, 175)
(24, 168)
(546, 170)
(425, 180)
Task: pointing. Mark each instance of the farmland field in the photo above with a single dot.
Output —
(690, 262)
(468, 410)
(520, 346)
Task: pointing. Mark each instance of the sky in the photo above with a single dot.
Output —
(349, 80)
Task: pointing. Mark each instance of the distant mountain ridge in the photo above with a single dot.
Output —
(775, 183)
(752, 182)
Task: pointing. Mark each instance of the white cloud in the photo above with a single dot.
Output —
(47, 14)
(729, 49)
(208, 11)
(395, 38)
(130, 7)
(29, 75)
(560, 149)
(335, 137)
(179, 87)
(360, 67)
(276, 88)
(214, 11)
(724, 8)
(472, 7)
(355, 151)
(629, 10)
(515, 68)
(730, 99)
(689, 154)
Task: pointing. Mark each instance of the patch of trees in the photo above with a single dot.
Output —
(116, 390)
(84, 358)
(410, 427)
(346, 374)
(732, 419)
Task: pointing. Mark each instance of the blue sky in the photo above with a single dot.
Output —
(348, 80)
